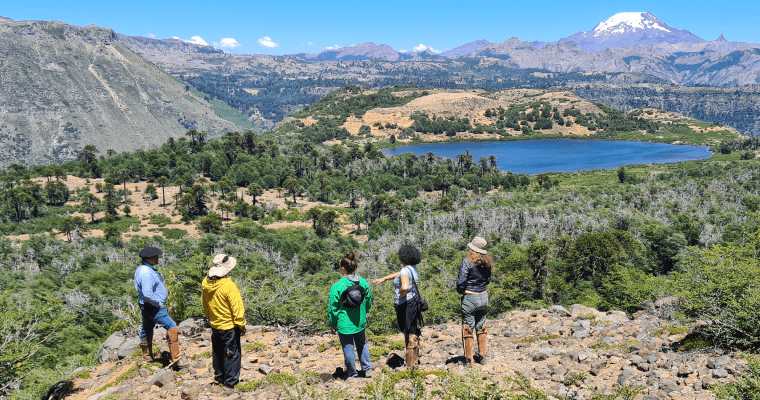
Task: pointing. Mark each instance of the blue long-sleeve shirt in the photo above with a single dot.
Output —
(150, 286)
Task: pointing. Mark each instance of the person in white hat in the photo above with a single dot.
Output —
(472, 282)
(224, 309)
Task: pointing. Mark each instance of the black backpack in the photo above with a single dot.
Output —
(353, 296)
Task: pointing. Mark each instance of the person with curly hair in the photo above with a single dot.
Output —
(472, 283)
(406, 301)
(350, 301)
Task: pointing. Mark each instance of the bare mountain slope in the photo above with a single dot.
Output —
(63, 87)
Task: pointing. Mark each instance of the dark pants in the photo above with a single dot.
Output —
(409, 317)
(226, 356)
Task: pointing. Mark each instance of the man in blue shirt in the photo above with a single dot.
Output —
(152, 296)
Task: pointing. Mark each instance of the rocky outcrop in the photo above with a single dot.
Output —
(562, 352)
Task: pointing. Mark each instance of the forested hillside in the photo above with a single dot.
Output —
(606, 239)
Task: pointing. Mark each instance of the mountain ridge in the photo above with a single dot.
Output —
(66, 87)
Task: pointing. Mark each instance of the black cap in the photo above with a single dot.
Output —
(150, 252)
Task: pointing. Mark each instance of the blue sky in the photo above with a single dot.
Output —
(286, 27)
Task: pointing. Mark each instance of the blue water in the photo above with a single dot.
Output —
(558, 155)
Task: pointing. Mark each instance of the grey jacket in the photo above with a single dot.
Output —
(472, 278)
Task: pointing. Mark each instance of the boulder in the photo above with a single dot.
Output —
(162, 378)
(192, 326)
(109, 349)
(559, 311)
(128, 347)
(616, 316)
(581, 311)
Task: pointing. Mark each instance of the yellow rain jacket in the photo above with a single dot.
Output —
(222, 304)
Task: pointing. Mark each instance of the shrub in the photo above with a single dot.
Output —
(721, 286)
(746, 388)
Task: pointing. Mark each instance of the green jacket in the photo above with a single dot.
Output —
(348, 320)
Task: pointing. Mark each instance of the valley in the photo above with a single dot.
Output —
(633, 281)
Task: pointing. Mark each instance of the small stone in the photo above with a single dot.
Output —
(715, 363)
(720, 373)
(190, 393)
(162, 378)
(266, 369)
(626, 377)
(669, 385)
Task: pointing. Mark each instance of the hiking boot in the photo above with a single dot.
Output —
(412, 350)
(483, 344)
(468, 341)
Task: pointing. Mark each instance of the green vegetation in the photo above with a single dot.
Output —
(254, 346)
(745, 388)
(689, 229)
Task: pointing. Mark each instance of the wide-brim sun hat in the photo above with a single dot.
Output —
(478, 245)
(223, 264)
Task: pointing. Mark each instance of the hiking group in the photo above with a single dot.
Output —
(350, 300)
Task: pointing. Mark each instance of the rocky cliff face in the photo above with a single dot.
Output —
(564, 353)
(64, 87)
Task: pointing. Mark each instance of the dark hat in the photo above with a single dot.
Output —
(150, 252)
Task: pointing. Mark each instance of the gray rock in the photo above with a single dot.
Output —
(109, 349)
(627, 376)
(720, 373)
(559, 311)
(669, 385)
(162, 378)
(266, 369)
(192, 326)
(539, 356)
(143, 373)
(103, 394)
(719, 362)
(128, 347)
(616, 316)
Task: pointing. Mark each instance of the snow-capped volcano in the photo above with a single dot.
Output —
(629, 22)
(628, 29)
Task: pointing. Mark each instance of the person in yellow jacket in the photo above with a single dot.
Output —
(224, 309)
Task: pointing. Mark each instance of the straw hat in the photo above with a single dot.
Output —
(478, 245)
(223, 264)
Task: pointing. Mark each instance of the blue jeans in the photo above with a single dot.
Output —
(152, 315)
(347, 342)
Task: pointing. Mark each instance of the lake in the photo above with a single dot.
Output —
(561, 155)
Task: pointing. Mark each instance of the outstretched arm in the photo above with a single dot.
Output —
(387, 277)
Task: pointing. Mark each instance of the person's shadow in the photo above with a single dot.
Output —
(395, 361)
(456, 360)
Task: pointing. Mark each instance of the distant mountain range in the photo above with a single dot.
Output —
(65, 86)
(627, 29)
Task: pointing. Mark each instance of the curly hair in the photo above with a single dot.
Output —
(480, 259)
(348, 262)
(409, 255)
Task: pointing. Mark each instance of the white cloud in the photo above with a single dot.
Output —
(310, 44)
(422, 48)
(197, 40)
(266, 41)
(336, 47)
(229, 43)
(176, 37)
(150, 35)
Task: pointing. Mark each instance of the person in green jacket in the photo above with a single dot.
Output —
(350, 301)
